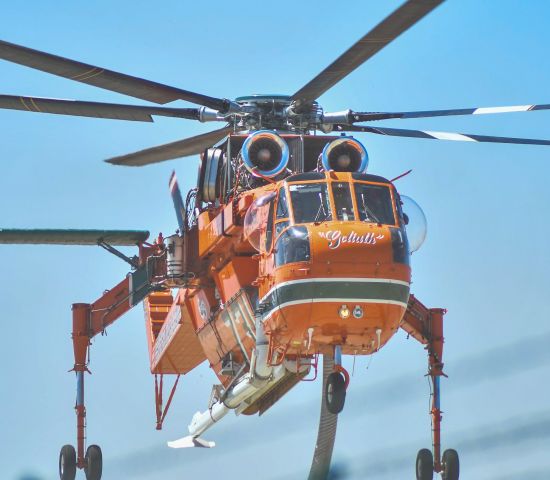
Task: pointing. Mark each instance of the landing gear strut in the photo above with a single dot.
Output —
(427, 462)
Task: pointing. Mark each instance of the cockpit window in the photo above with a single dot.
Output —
(310, 202)
(342, 200)
(374, 203)
(282, 206)
(292, 246)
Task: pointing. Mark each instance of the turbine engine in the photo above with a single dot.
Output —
(265, 154)
(345, 155)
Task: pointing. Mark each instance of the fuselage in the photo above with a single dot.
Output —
(342, 279)
(321, 257)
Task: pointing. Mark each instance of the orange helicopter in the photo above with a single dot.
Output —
(287, 249)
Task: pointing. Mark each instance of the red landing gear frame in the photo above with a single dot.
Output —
(426, 326)
(90, 320)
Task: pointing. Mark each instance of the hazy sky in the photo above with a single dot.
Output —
(486, 257)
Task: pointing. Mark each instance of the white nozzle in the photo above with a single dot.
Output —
(191, 442)
(309, 337)
(378, 333)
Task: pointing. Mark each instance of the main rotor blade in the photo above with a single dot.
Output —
(103, 78)
(72, 237)
(94, 109)
(371, 116)
(169, 151)
(386, 31)
(463, 137)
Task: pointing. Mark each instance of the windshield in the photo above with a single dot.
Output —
(342, 201)
(310, 202)
(374, 203)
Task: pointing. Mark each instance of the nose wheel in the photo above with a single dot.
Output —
(335, 392)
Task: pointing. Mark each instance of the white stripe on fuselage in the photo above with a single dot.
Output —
(344, 301)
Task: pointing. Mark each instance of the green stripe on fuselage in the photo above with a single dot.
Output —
(359, 291)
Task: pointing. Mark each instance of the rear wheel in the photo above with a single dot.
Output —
(451, 465)
(424, 465)
(335, 392)
(94, 463)
(67, 463)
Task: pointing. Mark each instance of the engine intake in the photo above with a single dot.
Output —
(345, 155)
(265, 154)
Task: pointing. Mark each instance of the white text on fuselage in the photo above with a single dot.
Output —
(336, 238)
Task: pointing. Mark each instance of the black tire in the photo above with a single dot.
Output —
(335, 392)
(67, 463)
(451, 465)
(94, 463)
(424, 465)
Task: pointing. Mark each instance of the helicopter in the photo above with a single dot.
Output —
(271, 201)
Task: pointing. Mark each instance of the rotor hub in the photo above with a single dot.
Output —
(274, 111)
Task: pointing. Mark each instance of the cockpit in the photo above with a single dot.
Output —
(280, 218)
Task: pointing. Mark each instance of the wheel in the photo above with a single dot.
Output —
(335, 392)
(451, 465)
(94, 463)
(424, 465)
(67, 463)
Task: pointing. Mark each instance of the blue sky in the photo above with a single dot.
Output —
(486, 257)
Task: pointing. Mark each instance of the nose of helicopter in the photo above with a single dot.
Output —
(352, 290)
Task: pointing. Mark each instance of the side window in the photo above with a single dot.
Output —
(280, 226)
(282, 205)
(292, 246)
(399, 205)
(269, 228)
(281, 217)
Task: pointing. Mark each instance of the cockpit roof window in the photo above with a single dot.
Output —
(368, 177)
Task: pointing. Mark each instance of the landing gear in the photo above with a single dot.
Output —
(336, 384)
(426, 326)
(335, 392)
(451, 465)
(94, 463)
(70, 458)
(67, 463)
(424, 465)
